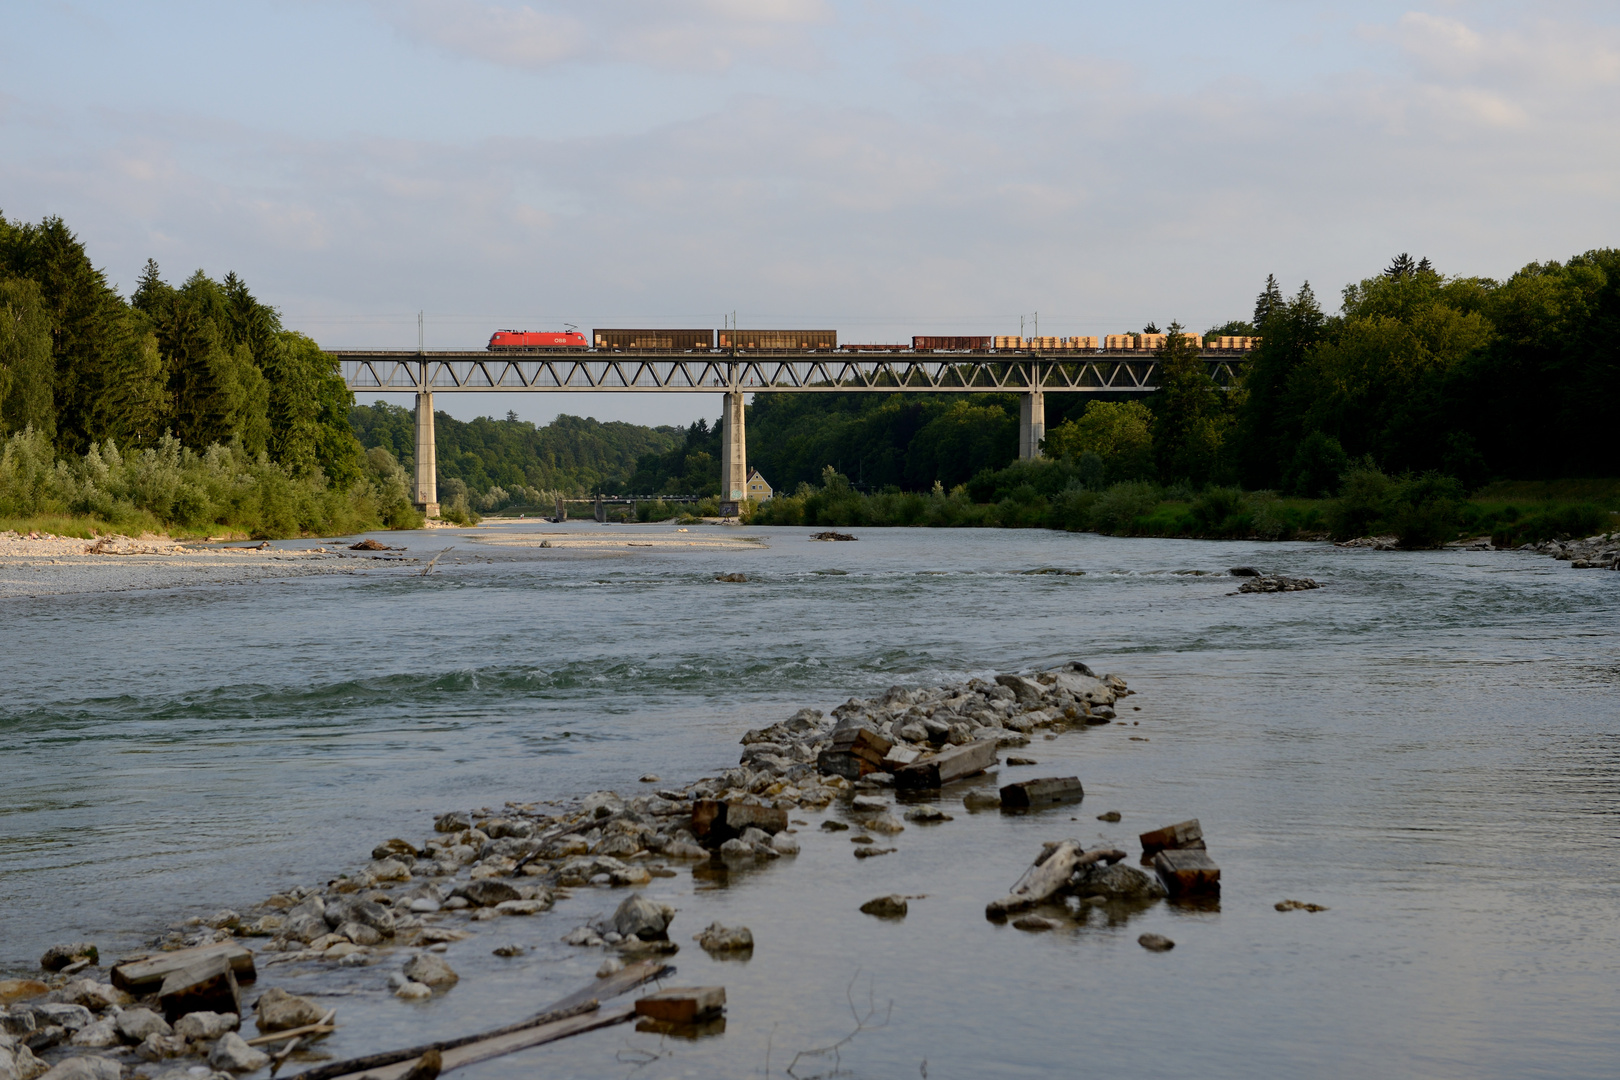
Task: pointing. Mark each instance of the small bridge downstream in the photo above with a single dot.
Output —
(736, 373)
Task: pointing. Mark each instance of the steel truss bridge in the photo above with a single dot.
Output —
(1031, 374)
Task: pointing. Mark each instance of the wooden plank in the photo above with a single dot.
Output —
(1183, 834)
(580, 1005)
(484, 1049)
(323, 1026)
(1048, 792)
(205, 985)
(954, 763)
(1189, 872)
(148, 973)
(682, 1004)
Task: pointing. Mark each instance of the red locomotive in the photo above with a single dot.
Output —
(522, 340)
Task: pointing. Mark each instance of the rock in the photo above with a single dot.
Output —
(17, 1025)
(982, 800)
(19, 1063)
(522, 907)
(643, 918)
(278, 1010)
(452, 823)
(57, 1014)
(1051, 791)
(1279, 583)
(499, 950)
(887, 907)
(1111, 815)
(1034, 923)
(136, 1024)
(835, 826)
(868, 804)
(1299, 905)
(487, 892)
(91, 994)
(1021, 761)
(205, 1026)
(1117, 882)
(736, 848)
(99, 1035)
(85, 1068)
(784, 844)
(873, 852)
(359, 934)
(395, 846)
(414, 991)
(718, 938)
(232, 1054)
(21, 990)
(1155, 942)
(885, 823)
(431, 969)
(58, 957)
(1244, 571)
(611, 966)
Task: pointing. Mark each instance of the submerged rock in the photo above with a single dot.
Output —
(1155, 942)
(718, 938)
(643, 918)
(893, 906)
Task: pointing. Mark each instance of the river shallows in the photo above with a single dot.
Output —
(1427, 745)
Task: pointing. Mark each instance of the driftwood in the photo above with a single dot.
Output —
(323, 1026)
(1049, 875)
(145, 975)
(579, 1011)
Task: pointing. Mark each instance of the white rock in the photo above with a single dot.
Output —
(97, 1036)
(414, 991)
(201, 1026)
(232, 1054)
(85, 1068)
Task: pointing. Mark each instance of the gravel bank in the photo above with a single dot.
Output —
(45, 565)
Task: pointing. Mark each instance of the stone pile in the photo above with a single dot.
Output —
(1593, 553)
(519, 861)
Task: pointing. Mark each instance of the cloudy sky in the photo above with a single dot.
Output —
(875, 166)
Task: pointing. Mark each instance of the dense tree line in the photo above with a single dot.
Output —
(572, 455)
(173, 371)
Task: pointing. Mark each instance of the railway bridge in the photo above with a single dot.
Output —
(736, 373)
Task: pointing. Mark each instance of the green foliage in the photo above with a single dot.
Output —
(529, 465)
(1318, 465)
(688, 467)
(1422, 511)
(26, 369)
(1118, 434)
(172, 486)
(1190, 415)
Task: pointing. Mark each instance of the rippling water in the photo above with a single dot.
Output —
(1428, 746)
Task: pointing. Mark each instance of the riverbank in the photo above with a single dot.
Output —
(43, 564)
(928, 754)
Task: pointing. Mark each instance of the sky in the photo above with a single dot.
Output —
(879, 168)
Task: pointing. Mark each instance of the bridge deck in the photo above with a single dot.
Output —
(827, 371)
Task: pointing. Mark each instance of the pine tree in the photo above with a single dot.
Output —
(1189, 418)
(1269, 300)
(1401, 267)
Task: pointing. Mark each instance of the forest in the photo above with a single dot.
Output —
(186, 408)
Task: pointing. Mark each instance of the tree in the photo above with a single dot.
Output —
(26, 367)
(1269, 301)
(1401, 266)
(1119, 433)
(1189, 417)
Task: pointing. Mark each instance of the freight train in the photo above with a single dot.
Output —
(702, 341)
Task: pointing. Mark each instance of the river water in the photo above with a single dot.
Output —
(1428, 745)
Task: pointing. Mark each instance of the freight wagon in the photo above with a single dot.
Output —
(794, 340)
(659, 340)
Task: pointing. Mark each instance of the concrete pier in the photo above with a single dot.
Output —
(427, 476)
(734, 456)
(1031, 425)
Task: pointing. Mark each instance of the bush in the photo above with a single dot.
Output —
(1117, 509)
(175, 488)
(1423, 511)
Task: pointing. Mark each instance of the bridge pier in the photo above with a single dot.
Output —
(1031, 425)
(733, 456)
(427, 477)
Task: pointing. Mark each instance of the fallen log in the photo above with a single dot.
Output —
(1049, 875)
(579, 1011)
(145, 975)
(954, 763)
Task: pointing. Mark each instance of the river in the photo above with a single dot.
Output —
(1428, 745)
